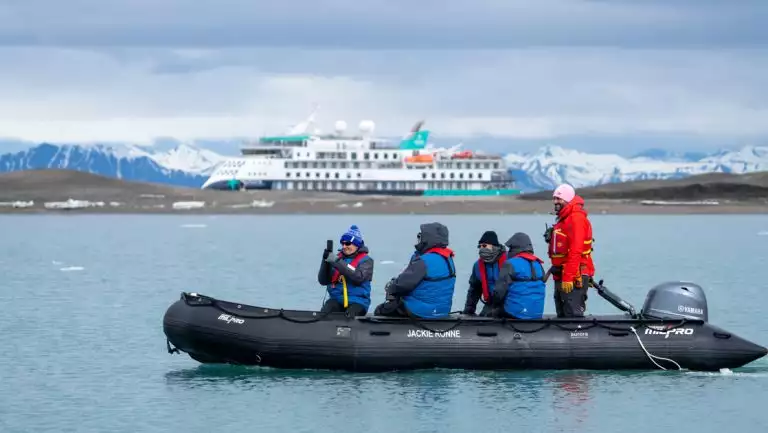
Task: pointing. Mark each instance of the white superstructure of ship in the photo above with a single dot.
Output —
(307, 160)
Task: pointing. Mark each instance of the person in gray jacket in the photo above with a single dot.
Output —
(425, 287)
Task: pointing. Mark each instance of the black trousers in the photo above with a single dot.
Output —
(572, 304)
(334, 306)
(392, 308)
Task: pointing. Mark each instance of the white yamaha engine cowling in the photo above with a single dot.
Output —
(676, 300)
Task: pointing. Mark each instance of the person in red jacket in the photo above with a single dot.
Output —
(570, 251)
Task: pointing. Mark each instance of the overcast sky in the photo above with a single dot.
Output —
(625, 74)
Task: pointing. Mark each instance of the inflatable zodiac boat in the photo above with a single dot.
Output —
(670, 332)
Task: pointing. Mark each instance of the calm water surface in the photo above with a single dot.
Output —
(83, 348)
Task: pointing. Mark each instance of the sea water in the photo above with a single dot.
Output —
(83, 349)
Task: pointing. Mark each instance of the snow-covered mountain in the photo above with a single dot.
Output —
(189, 165)
(183, 165)
(552, 165)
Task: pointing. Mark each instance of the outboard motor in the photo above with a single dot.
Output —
(676, 300)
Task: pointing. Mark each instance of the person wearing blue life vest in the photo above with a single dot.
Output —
(424, 289)
(485, 272)
(347, 276)
(520, 289)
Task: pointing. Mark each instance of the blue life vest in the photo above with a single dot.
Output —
(355, 294)
(526, 293)
(433, 297)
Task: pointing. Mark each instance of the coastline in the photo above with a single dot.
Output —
(266, 204)
(35, 192)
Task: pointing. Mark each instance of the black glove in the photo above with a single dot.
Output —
(389, 296)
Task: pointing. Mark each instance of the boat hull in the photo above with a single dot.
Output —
(214, 331)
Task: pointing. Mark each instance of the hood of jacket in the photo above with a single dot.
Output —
(519, 243)
(432, 235)
(575, 205)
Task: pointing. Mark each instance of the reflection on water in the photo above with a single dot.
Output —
(439, 392)
(549, 399)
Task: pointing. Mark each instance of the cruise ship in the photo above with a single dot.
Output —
(307, 160)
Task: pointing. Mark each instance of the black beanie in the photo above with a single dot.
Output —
(489, 237)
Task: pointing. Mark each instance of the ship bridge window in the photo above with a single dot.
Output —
(336, 175)
(479, 175)
(452, 175)
(461, 175)
(358, 175)
(288, 174)
(423, 175)
(433, 175)
(354, 155)
(349, 175)
(317, 174)
(386, 156)
(394, 156)
(469, 175)
(308, 175)
(375, 156)
(495, 165)
(442, 175)
(366, 156)
(355, 165)
(327, 175)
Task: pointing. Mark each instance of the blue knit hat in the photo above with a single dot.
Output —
(353, 236)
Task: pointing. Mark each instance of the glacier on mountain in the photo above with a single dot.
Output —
(189, 165)
(181, 166)
(553, 165)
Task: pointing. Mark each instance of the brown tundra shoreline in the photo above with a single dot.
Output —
(27, 192)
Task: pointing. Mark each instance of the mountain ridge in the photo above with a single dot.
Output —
(188, 165)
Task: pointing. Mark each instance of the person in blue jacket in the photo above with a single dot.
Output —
(425, 287)
(351, 267)
(520, 289)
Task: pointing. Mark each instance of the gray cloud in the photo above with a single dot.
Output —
(526, 94)
(534, 71)
(381, 24)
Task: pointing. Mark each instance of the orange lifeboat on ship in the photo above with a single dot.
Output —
(420, 159)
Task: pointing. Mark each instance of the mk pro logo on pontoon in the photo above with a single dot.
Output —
(229, 319)
(677, 331)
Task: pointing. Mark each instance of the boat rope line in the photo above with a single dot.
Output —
(650, 355)
(509, 324)
(421, 325)
(589, 325)
(202, 300)
(196, 300)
